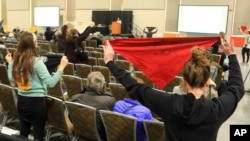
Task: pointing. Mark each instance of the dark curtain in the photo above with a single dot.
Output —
(101, 17)
(107, 17)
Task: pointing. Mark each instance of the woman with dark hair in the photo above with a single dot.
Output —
(189, 117)
(32, 78)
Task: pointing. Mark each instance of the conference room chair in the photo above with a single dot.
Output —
(83, 70)
(4, 79)
(15, 46)
(56, 118)
(45, 47)
(123, 64)
(96, 54)
(154, 130)
(69, 69)
(57, 91)
(54, 48)
(3, 51)
(91, 43)
(141, 75)
(8, 102)
(99, 49)
(83, 44)
(119, 57)
(89, 48)
(84, 82)
(9, 45)
(101, 62)
(118, 91)
(73, 84)
(216, 73)
(170, 86)
(118, 126)
(216, 58)
(83, 118)
(92, 61)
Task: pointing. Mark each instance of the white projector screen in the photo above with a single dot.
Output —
(202, 19)
(46, 16)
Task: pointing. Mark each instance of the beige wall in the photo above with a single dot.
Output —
(116, 5)
(162, 14)
(242, 15)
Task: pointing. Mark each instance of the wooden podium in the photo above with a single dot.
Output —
(116, 28)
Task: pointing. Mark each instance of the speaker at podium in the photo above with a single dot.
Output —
(116, 27)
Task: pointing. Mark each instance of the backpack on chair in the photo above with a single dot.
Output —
(79, 51)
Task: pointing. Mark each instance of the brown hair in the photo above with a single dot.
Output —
(196, 71)
(24, 58)
(71, 34)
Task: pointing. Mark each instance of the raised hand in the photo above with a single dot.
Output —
(109, 53)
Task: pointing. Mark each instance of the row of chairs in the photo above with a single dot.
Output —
(48, 47)
(10, 44)
(82, 69)
(75, 79)
(74, 83)
(83, 119)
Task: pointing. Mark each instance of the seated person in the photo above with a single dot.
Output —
(93, 96)
(180, 89)
(130, 106)
(11, 37)
(210, 93)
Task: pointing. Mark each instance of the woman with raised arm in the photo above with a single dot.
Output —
(189, 117)
(32, 78)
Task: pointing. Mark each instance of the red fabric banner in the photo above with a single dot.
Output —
(161, 59)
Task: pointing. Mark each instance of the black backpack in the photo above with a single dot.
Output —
(79, 52)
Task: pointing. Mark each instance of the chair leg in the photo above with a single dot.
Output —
(48, 132)
(74, 138)
(4, 121)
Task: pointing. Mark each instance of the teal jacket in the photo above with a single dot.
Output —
(39, 82)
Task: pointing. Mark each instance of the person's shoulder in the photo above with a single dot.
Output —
(143, 108)
(76, 96)
(106, 94)
(119, 102)
(108, 97)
